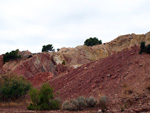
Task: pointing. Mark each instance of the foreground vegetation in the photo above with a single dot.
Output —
(43, 99)
(13, 87)
(13, 55)
(144, 49)
(82, 103)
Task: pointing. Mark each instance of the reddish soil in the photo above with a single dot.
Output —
(40, 78)
(105, 76)
(22, 109)
(124, 75)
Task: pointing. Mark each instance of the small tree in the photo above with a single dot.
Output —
(142, 48)
(11, 56)
(47, 48)
(12, 87)
(148, 49)
(43, 99)
(58, 49)
(92, 41)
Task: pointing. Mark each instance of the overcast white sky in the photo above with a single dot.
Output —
(30, 24)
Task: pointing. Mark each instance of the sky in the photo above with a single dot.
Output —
(30, 24)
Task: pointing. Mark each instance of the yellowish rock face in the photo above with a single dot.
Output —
(83, 54)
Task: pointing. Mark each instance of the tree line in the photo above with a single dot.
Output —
(13, 55)
(88, 42)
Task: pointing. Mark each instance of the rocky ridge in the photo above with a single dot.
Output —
(33, 64)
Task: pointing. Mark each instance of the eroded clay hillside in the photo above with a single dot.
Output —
(106, 76)
(33, 64)
(124, 77)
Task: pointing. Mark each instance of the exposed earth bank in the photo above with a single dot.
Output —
(68, 58)
(114, 69)
(123, 77)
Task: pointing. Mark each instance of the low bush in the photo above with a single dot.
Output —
(58, 101)
(67, 105)
(82, 102)
(43, 106)
(43, 99)
(79, 104)
(144, 49)
(32, 107)
(54, 104)
(103, 102)
(12, 87)
(75, 102)
(91, 102)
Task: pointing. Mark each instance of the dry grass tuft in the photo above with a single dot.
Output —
(15, 103)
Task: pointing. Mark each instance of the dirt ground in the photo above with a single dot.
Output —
(23, 109)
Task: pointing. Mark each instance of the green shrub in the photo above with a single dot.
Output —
(43, 99)
(148, 49)
(32, 107)
(54, 104)
(33, 93)
(142, 47)
(58, 100)
(91, 101)
(47, 48)
(58, 49)
(92, 41)
(11, 56)
(64, 63)
(82, 102)
(12, 87)
(43, 106)
(45, 93)
(103, 102)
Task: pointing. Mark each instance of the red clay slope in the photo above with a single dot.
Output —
(42, 62)
(110, 76)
